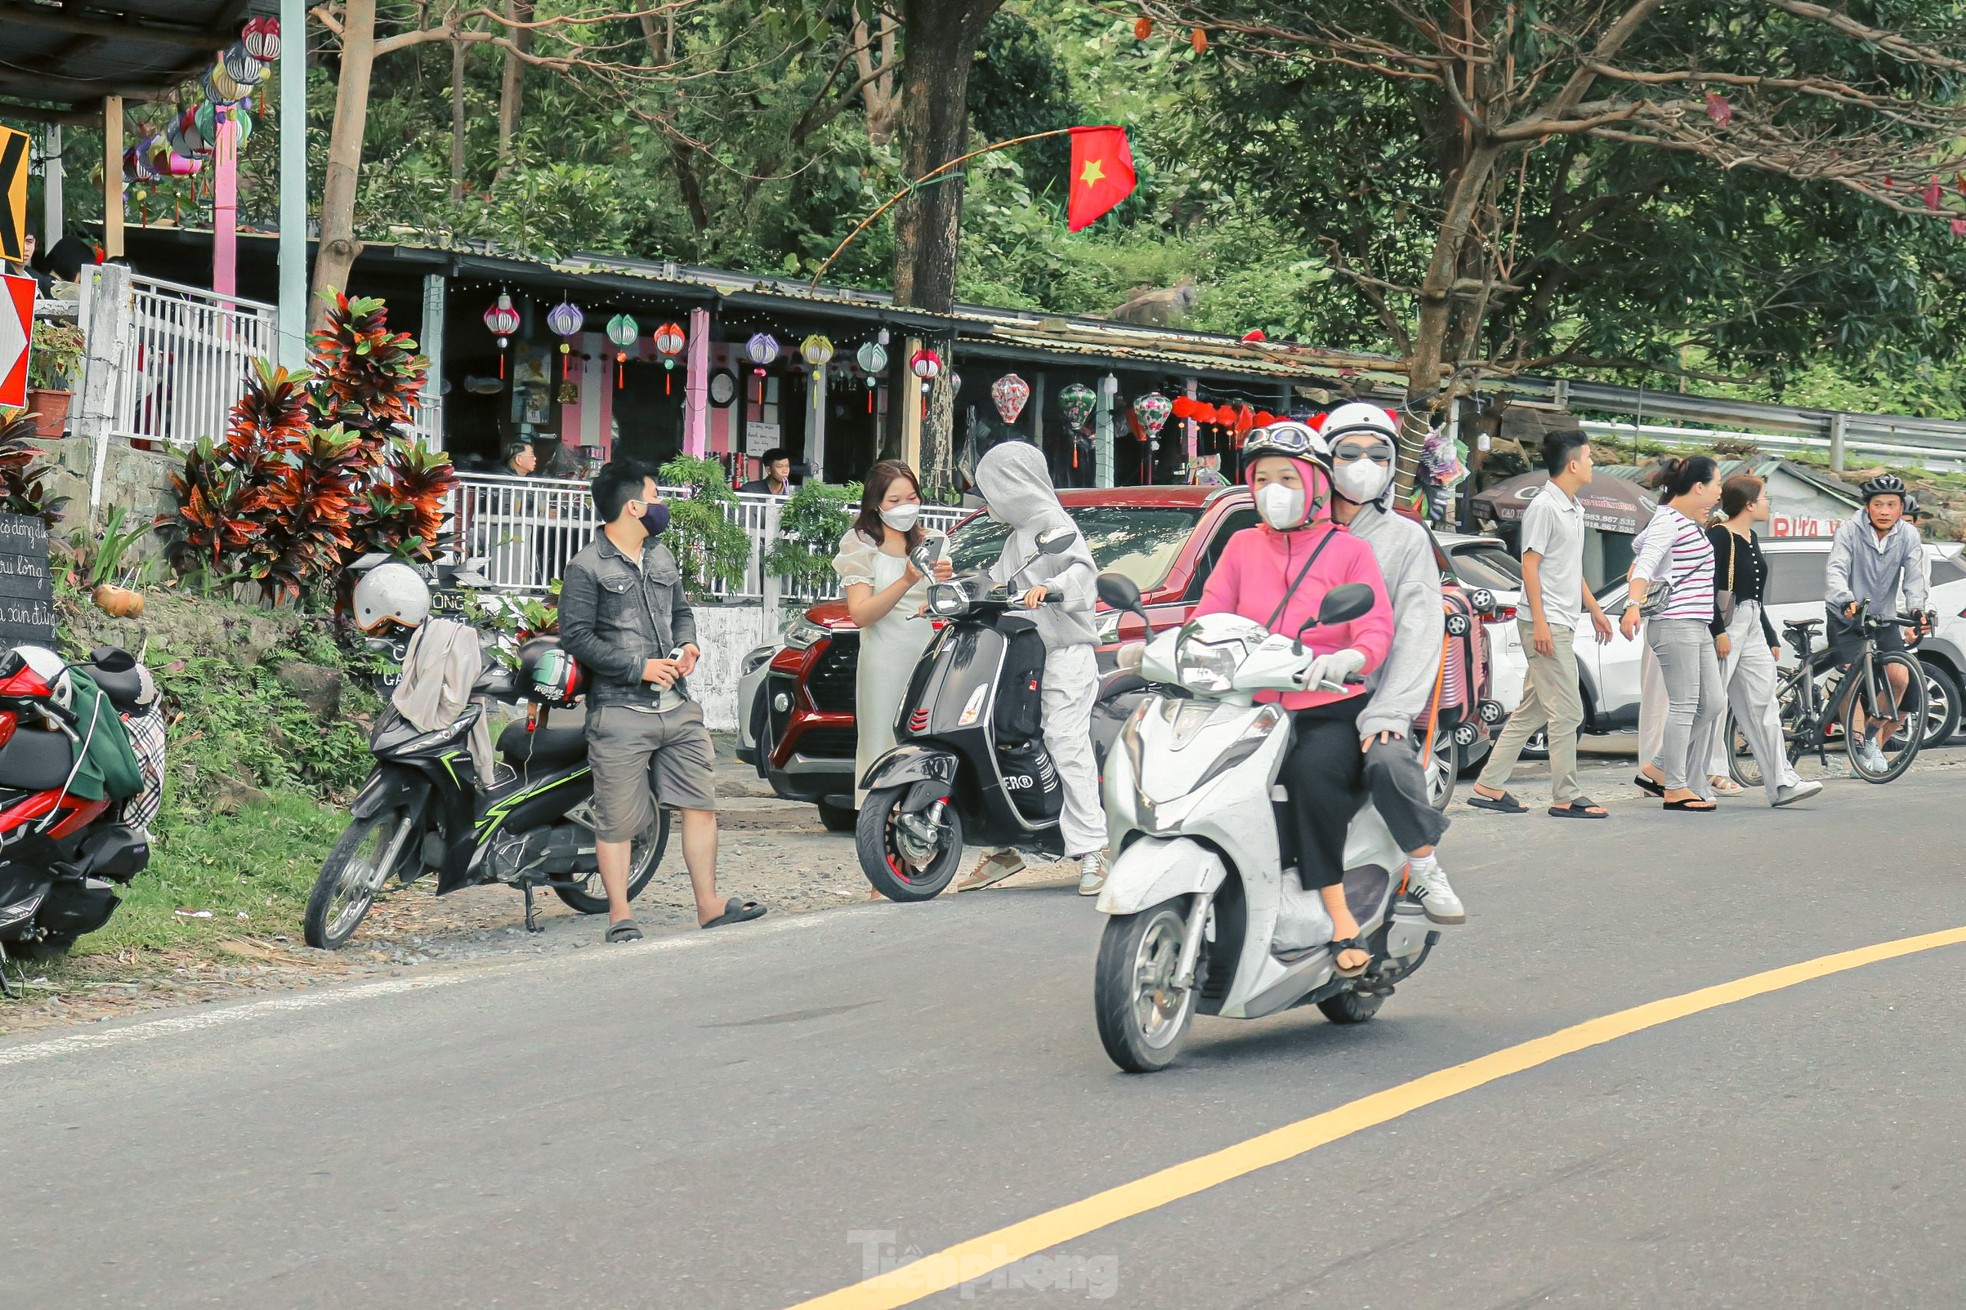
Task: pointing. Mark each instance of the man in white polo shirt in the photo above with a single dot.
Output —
(1554, 591)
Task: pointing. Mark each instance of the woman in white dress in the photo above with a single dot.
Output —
(885, 595)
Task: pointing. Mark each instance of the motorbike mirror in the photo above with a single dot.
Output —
(1119, 591)
(1343, 604)
(1057, 541)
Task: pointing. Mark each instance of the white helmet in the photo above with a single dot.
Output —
(391, 593)
(53, 670)
(1357, 416)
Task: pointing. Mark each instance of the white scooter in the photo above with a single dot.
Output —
(1206, 913)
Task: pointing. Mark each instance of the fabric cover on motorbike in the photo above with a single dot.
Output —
(1042, 796)
(1020, 695)
(545, 746)
(119, 676)
(110, 769)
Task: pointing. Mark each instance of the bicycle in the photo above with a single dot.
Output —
(1817, 701)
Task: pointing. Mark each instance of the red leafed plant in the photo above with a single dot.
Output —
(230, 491)
(318, 495)
(405, 510)
(366, 377)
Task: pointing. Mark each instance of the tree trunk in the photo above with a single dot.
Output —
(351, 117)
(876, 78)
(457, 120)
(512, 92)
(941, 38)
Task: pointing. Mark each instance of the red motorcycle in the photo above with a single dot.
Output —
(61, 856)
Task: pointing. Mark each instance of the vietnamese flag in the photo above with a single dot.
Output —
(1102, 174)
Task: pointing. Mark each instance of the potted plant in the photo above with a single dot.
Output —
(54, 361)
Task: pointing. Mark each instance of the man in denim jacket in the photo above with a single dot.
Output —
(624, 617)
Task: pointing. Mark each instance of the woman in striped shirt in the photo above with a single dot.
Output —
(1678, 553)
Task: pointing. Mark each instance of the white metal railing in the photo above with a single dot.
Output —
(427, 424)
(186, 359)
(527, 529)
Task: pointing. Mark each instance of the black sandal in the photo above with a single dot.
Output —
(1503, 804)
(1340, 946)
(624, 930)
(1650, 787)
(1581, 808)
(1693, 805)
(737, 911)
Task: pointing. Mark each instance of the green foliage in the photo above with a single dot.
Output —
(810, 525)
(23, 473)
(709, 548)
(54, 360)
(94, 561)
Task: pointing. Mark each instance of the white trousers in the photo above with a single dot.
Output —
(1071, 681)
(1651, 703)
(1750, 672)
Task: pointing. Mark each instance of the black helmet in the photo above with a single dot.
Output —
(548, 674)
(1884, 484)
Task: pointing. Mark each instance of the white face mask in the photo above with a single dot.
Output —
(1281, 507)
(1362, 480)
(901, 517)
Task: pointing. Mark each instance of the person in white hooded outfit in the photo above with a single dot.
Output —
(1016, 484)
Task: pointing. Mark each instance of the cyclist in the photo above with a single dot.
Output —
(1875, 556)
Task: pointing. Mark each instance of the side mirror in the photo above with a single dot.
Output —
(1057, 541)
(1123, 594)
(1343, 604)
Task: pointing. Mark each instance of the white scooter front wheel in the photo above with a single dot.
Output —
(1143, 1018)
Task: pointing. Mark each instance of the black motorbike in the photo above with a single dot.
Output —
(970, 764)
(425, 809)
(62, 857)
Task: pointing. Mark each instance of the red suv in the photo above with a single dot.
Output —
(796, 703)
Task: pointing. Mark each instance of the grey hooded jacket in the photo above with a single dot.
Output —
(1015, 481)
(1402, 686)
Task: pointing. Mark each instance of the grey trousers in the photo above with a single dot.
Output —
(1749, 673)
(1695, 701)
(1398, 783)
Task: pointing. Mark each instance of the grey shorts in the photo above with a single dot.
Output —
(622, 742)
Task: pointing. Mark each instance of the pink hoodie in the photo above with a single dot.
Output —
(1258, 566)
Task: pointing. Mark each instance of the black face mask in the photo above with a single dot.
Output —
(656, 519)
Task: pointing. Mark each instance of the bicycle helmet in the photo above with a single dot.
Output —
(548, 674)
(391, 593)
(1884, 484)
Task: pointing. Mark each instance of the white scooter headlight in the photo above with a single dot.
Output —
(1208, 667)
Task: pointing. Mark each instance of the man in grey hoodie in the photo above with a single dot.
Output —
(1364, 446)
(1875, 557)
(1016, 483)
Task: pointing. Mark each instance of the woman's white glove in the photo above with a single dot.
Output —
(1327, 672)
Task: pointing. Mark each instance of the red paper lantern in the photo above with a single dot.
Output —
(1246, 419)
(1316, 421)
(1183, 407)
(1264, 418)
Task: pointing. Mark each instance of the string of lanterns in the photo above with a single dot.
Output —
(191, 138)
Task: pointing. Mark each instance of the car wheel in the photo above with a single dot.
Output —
(1942, 706)
(838, 818)
(1538, 745)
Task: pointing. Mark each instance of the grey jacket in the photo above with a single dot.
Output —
(1862, 568)
(614, 618)
(1014, 479)
(1401, 687)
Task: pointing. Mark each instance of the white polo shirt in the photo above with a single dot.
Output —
(1553, 527)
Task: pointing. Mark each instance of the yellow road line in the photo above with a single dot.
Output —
(978, 1257)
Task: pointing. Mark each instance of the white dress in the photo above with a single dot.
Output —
(889, 650)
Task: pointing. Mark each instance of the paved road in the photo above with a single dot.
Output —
(722, 1120)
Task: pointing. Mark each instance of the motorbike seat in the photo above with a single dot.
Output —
(123, 686)
(1802, 625)
(546, 746)
(34, 760)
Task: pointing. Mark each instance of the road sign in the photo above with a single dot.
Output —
(13, 194)
(16, 328)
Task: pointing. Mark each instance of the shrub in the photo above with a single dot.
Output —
(810, 525)
(709, 546)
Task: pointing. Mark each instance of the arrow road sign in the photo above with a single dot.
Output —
(16, 327)
(13, 194)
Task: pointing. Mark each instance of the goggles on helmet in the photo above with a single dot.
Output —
(1296, 440)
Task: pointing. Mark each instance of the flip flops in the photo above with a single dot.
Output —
(737, 911)
(1503, 804)
(624, 930)
(1693, 805)
(1581, 808)
(1649, 787)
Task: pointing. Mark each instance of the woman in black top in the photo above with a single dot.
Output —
(1745, 641)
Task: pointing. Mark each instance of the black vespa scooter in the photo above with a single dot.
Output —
(425, 808)
(970, 764)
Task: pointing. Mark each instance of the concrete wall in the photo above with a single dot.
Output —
(137, 480)
(727, 633)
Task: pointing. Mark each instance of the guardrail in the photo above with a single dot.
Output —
(527, 529)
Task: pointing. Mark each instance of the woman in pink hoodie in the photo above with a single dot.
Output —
(1277, 574)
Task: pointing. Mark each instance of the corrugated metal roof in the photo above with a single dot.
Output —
(74, 54)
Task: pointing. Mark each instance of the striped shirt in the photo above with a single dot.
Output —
(1677, 550)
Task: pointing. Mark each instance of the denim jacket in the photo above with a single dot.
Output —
(615, 617)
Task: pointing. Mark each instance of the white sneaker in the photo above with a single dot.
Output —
(1092, 874)
(1873, 755)
(1800, 791)
(1427, 884)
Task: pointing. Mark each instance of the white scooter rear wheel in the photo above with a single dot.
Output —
(1143, 1019)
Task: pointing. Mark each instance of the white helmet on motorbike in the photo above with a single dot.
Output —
(391, 593)
(52, 669)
